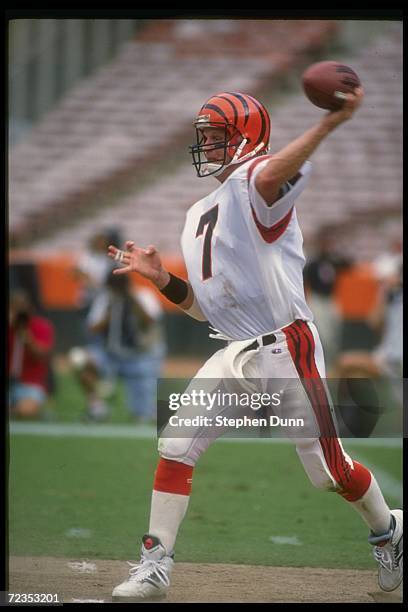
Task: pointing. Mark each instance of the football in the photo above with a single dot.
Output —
(325, 84)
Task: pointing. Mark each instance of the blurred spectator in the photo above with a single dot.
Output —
(114, 234)
(359, 299)
(385, 357)
(383, 293)
(389, 353)
(382, 362)
(388, 265)
(133, 348)
(30, 342)
(93, 268)
(320, 276)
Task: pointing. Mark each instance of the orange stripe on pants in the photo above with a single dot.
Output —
(353, 483)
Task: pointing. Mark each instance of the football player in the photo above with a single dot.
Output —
(242, 246)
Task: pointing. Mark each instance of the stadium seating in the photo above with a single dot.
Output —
(114, 151)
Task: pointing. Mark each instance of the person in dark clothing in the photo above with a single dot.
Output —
(132, 348)
(320, 274)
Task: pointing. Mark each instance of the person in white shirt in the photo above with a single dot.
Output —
(388, 270)
(242, 247)
(92, 268)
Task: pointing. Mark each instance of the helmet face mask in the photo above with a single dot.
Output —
(228, 143)
(245, 125)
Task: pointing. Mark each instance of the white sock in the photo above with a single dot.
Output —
(166, 514)
(373, 509)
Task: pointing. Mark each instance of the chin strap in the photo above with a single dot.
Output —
(238, 151)
(212, 168)
(237, 160)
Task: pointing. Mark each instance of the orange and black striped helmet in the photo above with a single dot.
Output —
(246, 125)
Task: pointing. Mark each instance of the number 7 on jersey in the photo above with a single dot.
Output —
(208, 219)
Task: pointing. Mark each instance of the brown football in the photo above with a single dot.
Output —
(325, 82)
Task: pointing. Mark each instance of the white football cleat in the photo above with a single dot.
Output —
(150, 578)
(388, 553)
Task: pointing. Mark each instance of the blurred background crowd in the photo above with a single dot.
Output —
(100, 118)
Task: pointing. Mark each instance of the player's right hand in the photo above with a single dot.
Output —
(145, 262)
(352, 101)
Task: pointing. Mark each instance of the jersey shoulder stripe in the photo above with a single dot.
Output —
(270, 234)
(255, 164)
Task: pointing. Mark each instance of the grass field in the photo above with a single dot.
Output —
(89, 497)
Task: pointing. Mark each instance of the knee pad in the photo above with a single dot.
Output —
(185, 450)
(175, 449)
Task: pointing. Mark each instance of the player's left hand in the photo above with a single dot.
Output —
(146, 262)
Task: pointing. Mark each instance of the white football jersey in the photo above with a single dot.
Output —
(245, 259)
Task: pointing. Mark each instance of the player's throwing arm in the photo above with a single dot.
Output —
(283, 165)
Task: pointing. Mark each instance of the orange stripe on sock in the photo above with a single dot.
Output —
(359, 482)
(173, 477)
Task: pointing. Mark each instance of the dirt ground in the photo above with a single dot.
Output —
(91, 581)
